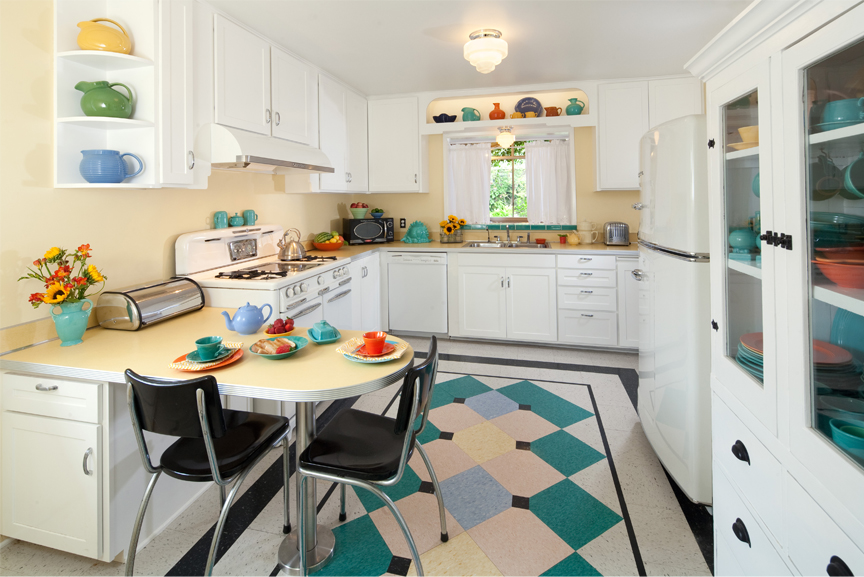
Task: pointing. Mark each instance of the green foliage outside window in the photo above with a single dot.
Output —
(508, 194)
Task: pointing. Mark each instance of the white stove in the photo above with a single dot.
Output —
(234, 266)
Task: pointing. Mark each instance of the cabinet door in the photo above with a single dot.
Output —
(333, 132)
(357, 155)
(175, 104)
(673, 98)
(48, 496)
(628, 303)
(394, 143)
(532, 309)
(295, 98)
(482, 302)
(622, 122)
(370, 281)
(242, 77)
(357, 271)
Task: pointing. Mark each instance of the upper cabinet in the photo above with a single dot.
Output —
(294, 91)
(343, 137)
(627, 111)
(175, 102)
(394, 145)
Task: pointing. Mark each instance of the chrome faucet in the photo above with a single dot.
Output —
(508, 232)
(488, 238)
(519, 239)
(529, 237)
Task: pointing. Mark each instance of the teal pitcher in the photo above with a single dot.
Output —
(470, 114)
(575, 107)
(71, 322)
(100, 99)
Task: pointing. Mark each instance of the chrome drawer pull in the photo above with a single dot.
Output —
(339, 296)
(587, 292)
(41, 387)
(306, 311)
(344, 282)
(87, 454)
(837, 568)
(585, 259)
(741, 533)
(586, 274)
(589, 316)
(740, 452)
(295, 305)
(278, 119)
(324, 290)
(191, 156)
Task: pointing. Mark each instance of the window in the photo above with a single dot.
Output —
(508, 199)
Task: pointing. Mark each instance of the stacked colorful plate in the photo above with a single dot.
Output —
(750, 355)
(832, 363)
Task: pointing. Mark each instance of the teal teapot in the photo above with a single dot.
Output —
(470, 114)
(100, 99)
(575, 107)
(248, 319)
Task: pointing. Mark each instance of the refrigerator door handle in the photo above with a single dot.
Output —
(636, 274)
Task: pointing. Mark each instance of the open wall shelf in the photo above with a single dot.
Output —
(485, 103)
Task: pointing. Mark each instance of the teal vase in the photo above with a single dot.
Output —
(71, 322)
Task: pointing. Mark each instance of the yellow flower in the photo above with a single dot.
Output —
(55, 294)
(462, 222)
(94, 274)
(448, 229)
(52, 252)
(452, 218)
(456, 226)
(444, 223)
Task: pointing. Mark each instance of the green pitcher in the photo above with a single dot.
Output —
(470, 114)
(100, 99)
(575, 107)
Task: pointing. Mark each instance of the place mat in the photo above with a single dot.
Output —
(181, 364)
(347, 349)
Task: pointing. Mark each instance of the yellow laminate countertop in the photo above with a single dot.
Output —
(348, 251)
(315, 373)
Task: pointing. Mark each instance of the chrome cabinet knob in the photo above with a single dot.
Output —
(638, 206)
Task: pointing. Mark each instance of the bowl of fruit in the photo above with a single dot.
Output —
(278, 348)
(328, 241)
(377, 212)
(359, 209)
(280, 328)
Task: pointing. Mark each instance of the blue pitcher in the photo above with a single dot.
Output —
(107, 166)
(470, 114)
(71, 322)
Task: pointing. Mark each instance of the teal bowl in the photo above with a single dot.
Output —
(849, 436)
(299, 341)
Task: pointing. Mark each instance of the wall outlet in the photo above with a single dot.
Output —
(401, 223)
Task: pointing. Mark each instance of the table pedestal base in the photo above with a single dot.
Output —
(289, 554)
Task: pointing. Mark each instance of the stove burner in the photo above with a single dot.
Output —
(313, 259)
(252, 274)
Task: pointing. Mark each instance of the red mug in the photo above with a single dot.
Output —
(374, 342)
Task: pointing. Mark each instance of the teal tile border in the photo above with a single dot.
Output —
(520, 226)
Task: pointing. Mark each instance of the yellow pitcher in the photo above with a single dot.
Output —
(100, 37)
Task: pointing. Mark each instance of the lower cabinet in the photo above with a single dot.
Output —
(628, 302)
(366, 293)
(588, 327)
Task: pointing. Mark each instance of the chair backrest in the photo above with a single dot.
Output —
(423, 377)
(170, 407)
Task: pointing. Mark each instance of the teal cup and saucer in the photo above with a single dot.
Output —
(208, 349)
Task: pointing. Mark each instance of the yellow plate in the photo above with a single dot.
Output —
(743, 145)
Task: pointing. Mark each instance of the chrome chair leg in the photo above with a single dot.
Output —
(399, 519)
(444, 536)
(139, 520)
(286, 472)
(342, 514)
(301, 525)
(222, 493)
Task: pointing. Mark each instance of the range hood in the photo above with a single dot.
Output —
(239, 150)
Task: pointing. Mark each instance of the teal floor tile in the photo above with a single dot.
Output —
(360, 550)
(574, 515)
(553, 408)
(463, 387)
(565, 452)
(408, 485)
(429, 434)
(573, 565)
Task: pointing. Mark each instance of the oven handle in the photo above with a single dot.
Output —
(339, 296)
(306, 311)
(344, 282)
(295, 305)
(324, 290)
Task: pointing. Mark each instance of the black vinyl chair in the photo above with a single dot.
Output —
(215, 444)
(371, 451)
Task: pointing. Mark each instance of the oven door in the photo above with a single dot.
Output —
(367, 230)
(337, 307)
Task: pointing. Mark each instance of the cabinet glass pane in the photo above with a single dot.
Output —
(743, 259)
(834, 187)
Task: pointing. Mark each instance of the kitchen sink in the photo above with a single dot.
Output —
(505, 245)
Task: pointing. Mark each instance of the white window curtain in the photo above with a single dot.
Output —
(547, 178)
(470, 180)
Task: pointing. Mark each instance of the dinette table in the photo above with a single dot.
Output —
(315, 373)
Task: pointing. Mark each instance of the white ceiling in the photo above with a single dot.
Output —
(398, 46)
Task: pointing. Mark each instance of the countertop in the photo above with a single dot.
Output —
(308, 375)
(348, 251)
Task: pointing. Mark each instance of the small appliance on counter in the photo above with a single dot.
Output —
(616, 234)
(136, 307)
(368, 230)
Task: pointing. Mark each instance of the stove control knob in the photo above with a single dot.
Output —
(304, 287)
(336, 273)
(289, 292)
(321, 280)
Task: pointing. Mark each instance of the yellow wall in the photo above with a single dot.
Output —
(132, 232)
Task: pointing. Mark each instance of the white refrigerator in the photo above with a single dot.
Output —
(674, 362)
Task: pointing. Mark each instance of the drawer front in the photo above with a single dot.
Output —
(587, 277)
(50, 397)
(814, 538)
(588, 298)
(750, 466)
(586, 261)
(588, 328)
(733, 521)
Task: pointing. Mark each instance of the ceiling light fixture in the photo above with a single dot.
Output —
(485, 50)
(505, 137)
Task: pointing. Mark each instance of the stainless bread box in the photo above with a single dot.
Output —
(616, 233)
(139, 306)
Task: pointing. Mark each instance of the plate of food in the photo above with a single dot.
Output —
(278, 348)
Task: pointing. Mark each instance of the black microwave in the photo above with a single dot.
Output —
(368, 230)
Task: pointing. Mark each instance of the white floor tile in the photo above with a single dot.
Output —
(254, 553)
(618, 417)
(586, 431)
(597, 480)
(666, 541)
(611, 553)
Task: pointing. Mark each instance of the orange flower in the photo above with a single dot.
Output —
(79, 280)
(36, 297)
(37, 262)
(63, 271)
(84, 250)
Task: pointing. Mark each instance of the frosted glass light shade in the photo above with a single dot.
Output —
(506, 138)
(485, 50)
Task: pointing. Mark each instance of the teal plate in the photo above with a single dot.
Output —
(324, 341)
(371, 360)
(749, 368)
(299, 341)
(745, 353)
(194, 357)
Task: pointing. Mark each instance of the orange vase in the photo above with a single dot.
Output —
(497, 113)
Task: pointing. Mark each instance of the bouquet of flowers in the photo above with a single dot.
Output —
(451, 229)
(61, 286)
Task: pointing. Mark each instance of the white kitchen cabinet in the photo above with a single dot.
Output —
(242, 77)
(294, 97)
(588, 327)
(482, 302)
(628, 302)
(366, 293)
(394, 145)
(342, 133)
(531, 304)
(176, 96)
(671, 98)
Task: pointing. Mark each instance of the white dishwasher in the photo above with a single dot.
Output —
(417, 286)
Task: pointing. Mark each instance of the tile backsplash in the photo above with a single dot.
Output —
(520, 226)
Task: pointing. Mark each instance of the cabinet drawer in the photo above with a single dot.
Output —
(587, 277)
(814, 538)
(588, 298)
(74, 400)
(754, 470)
(586, 261)
(759, 556)
(588, 328)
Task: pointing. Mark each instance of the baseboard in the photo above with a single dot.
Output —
(7, 541)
